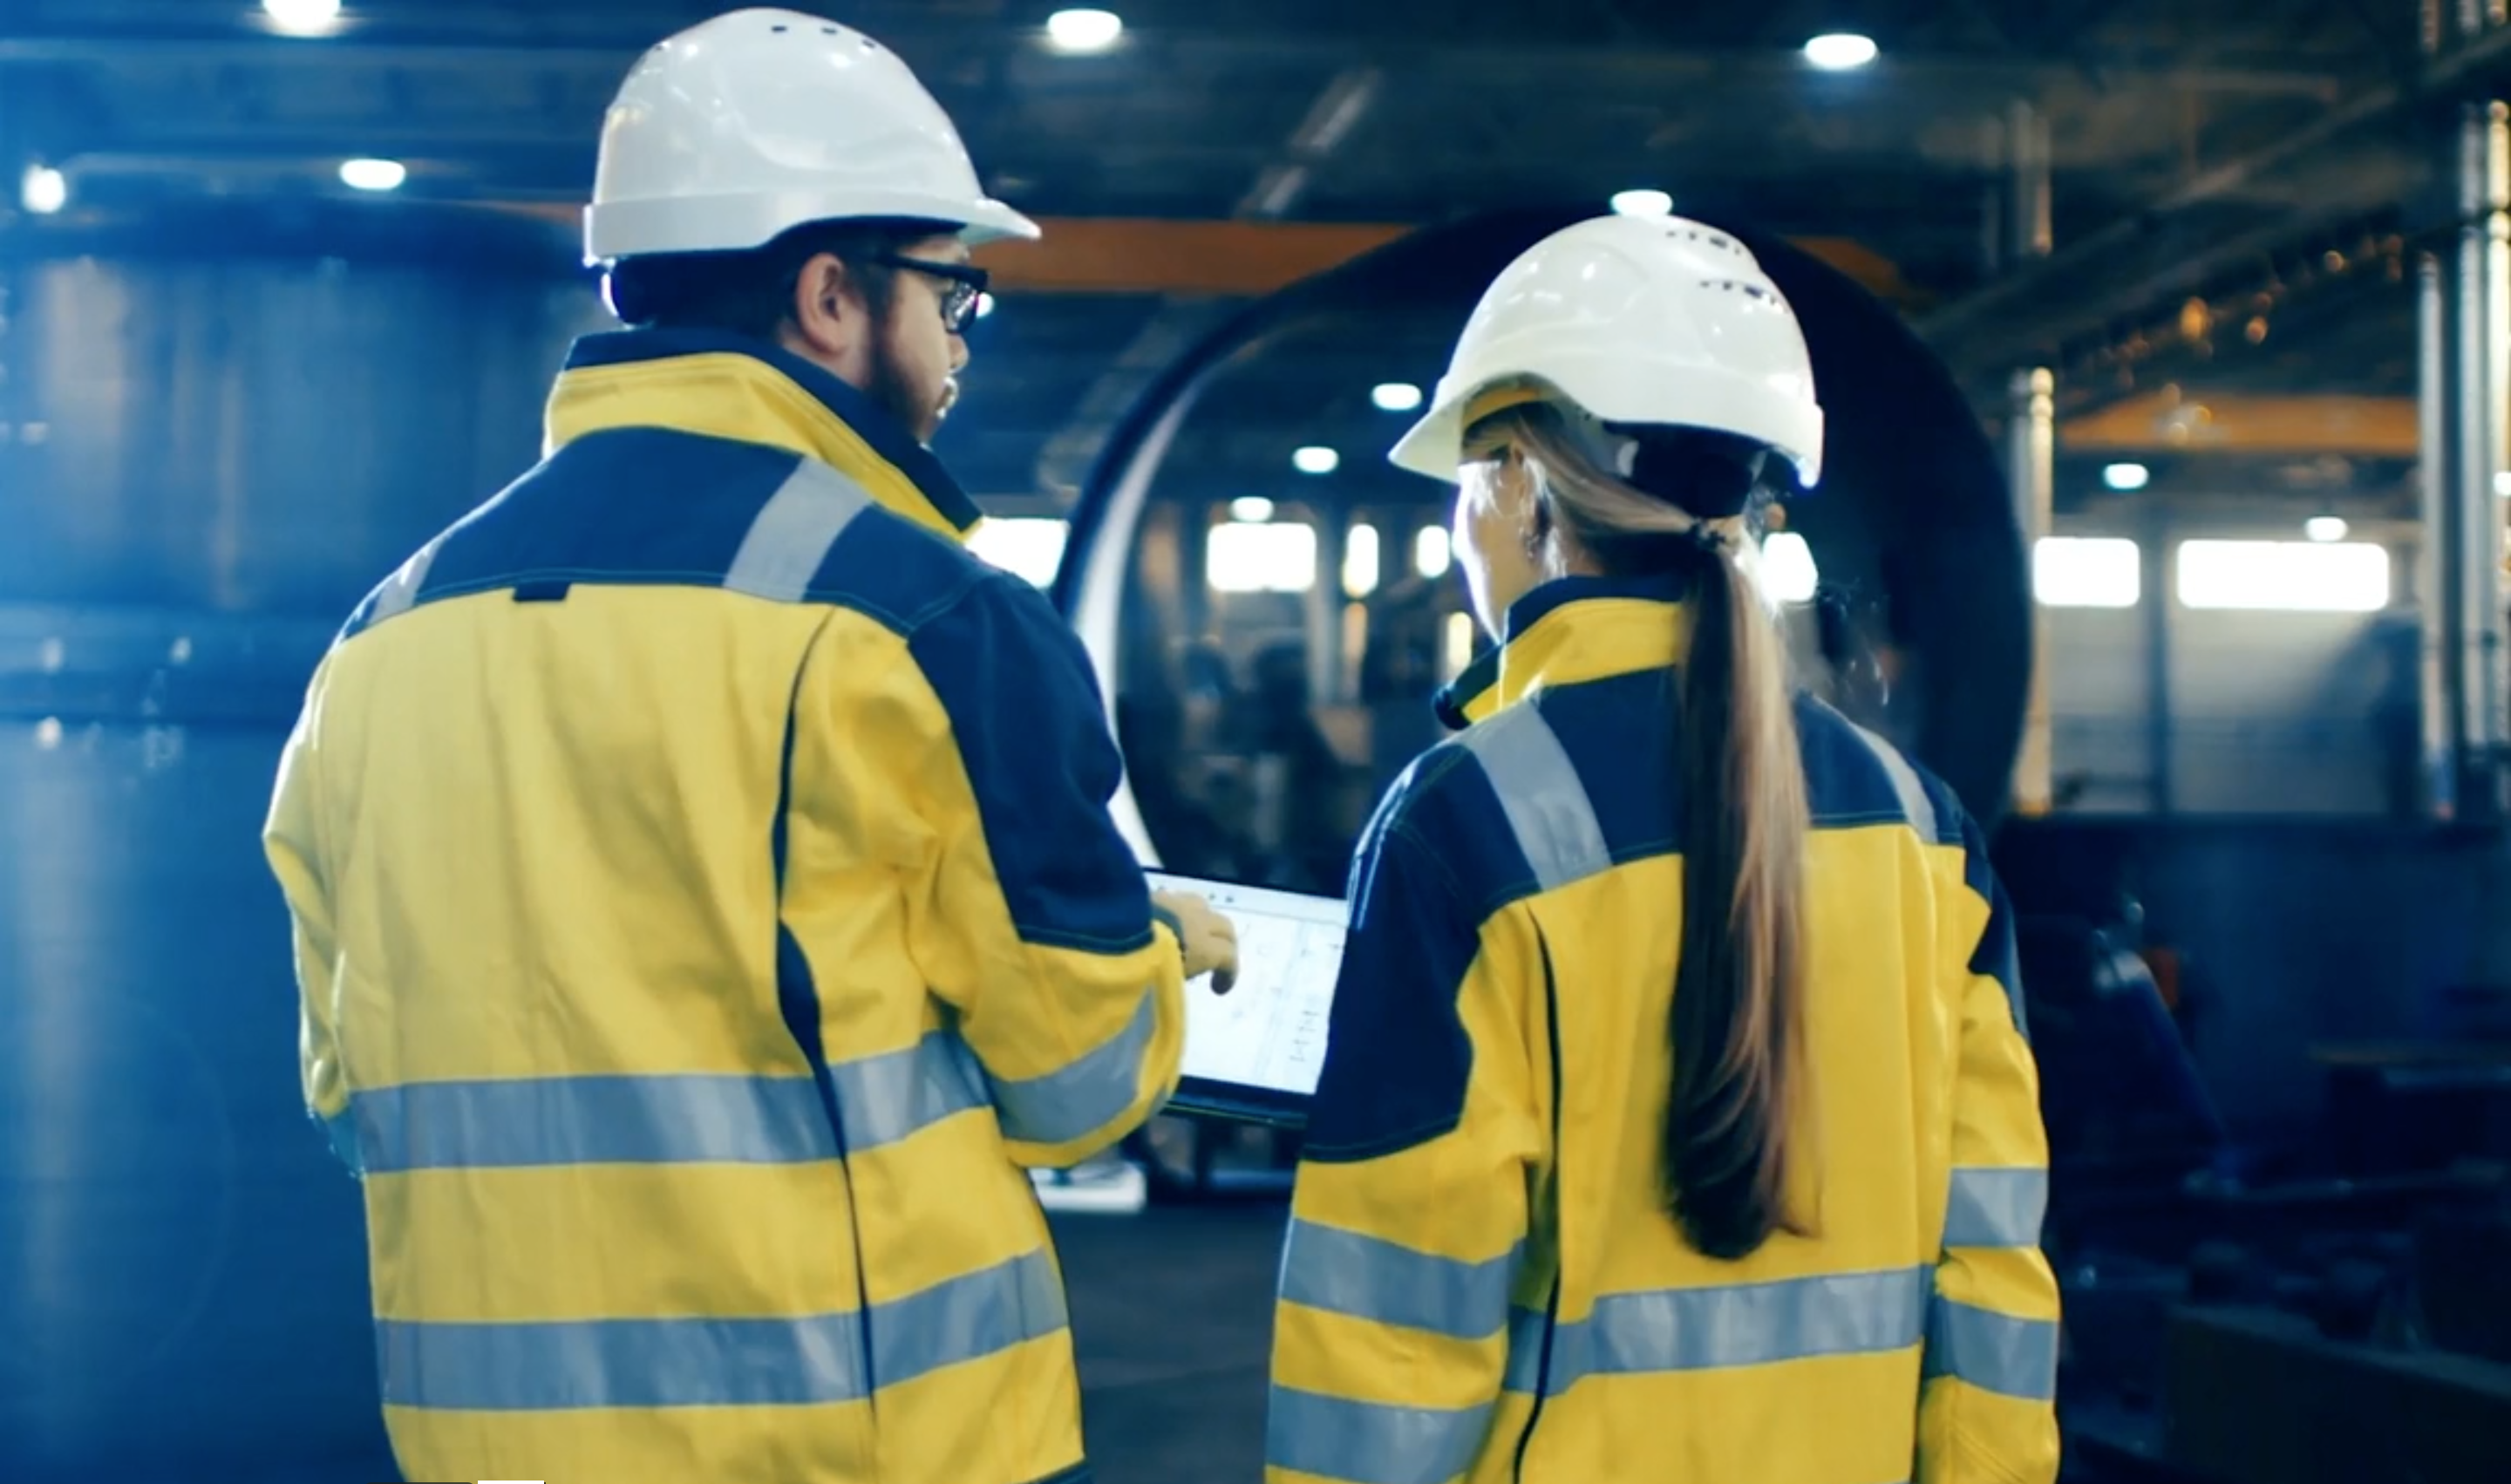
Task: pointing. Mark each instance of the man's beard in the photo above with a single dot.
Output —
(892, 392)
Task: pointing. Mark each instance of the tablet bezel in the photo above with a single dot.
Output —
(1238, 1102)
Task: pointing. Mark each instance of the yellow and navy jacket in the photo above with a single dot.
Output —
(1480, 1280)
(706, 904)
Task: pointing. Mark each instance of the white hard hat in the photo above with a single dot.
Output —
(742, 127)
(1652, 319)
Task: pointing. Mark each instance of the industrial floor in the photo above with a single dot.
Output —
(1172, 1319)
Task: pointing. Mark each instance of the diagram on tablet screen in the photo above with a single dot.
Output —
(1270, 1031)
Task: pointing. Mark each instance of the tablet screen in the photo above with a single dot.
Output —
(1267, 1036)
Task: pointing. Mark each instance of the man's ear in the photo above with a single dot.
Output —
(827, 313)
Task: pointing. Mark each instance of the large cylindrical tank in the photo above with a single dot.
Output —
(216, 438)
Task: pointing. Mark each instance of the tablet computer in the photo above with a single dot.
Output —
(1254, 1054)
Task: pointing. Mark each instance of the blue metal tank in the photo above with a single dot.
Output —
(216, 440)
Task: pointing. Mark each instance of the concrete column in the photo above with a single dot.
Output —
(2032, 435)
(2464, 321)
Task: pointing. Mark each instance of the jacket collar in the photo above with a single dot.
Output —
(1569, 629)
(732, 386)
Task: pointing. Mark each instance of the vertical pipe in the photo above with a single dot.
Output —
(1324, 607)
(2161, 781)
(2032, 435)
(2028, 231)
(2481, 409)
(2436, 580)
(2032, 432)
(2032, 446)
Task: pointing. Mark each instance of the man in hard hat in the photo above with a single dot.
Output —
(706, 901)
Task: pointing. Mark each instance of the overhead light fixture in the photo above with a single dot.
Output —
(1084, 30)
(1841, 51)
(2124, 477)
(985, 305)
(373, 174)
(1395, 396)
(302, 18)
(1313, 459)
(1254, 509)
(2325, 527)
(1642, 201)
(43, 190)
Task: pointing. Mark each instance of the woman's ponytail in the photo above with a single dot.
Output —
(1674, 502)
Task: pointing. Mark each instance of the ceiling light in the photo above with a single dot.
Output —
(2325, 527)
(1395, 396)
(1840, 51)
(1254, 509)
(1316, 460)
(1643, 202)
(985, 305)
(373, 174)
(43, 190)
(1084, 30)
(2126, 476)
(302, 18)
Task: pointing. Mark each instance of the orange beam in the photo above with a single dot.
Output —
(2174, 420)
(1116, 254)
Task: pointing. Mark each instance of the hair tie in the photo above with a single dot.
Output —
(1709, 540)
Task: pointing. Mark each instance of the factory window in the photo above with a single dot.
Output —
(1430, 554)
(1458, 651)
(1032, 546)
(2329, 577)
(1360, 560)
(1274, 556)
(1787, 572)
(2087, 572)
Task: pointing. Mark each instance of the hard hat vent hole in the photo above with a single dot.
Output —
(778, 29)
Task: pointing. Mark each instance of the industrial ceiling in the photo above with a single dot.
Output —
(2237, 189)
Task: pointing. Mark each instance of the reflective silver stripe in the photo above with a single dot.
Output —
(1995, 1207)
(1538, 788)
(792, 533)
(401, 589)
(341, 1128)
(717, 1362)
(666, 1119)
(688, 1119)
(1363, 1442)
(885, 1099)
(1083, 1098)
(1993, 1351)
(1916, 806)
(1366, 1277)
(1699, 1329)
(966, 1319)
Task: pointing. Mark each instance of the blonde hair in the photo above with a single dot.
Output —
(1738, 997)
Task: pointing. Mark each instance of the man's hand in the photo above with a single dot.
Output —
(1210, 940)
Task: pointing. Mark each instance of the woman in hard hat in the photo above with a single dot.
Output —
(1676, 1122)
(706, 899)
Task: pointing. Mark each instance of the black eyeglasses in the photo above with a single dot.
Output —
(964, 290)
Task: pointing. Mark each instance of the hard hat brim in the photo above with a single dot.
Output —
(737, 222)
(1606, 388)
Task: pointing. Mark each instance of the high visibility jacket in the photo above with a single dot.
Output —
(706, 903)
(1480, 1279)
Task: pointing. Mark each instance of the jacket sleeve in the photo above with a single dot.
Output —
(1036, 926)
(291, 840)
(1390, 1337)
(1987, 1410)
